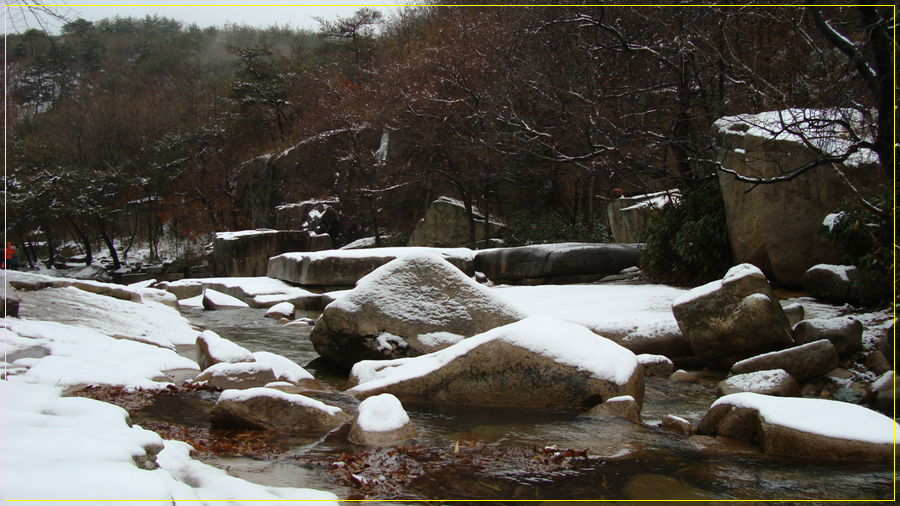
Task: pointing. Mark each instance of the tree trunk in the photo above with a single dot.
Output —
(109, 244)
(88, 251)
(51, 251)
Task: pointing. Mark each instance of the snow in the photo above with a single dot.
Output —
(223, 350)
(191, 301)
(387, 341)
(301, 400)
(648, 359)
(607, 309)
(381, 413)
(440, 338)
(621, 398)
(653, 200)
(736, 272)
(231, 236)
(831, 220)
(461, 253)
(742, 270)
(233, 371)
(885, 379)
(248, 287)
(283, 367)
(823, 417)
(223, 300)
(564, 342)
(842, 271)
(758, 380)
(282, 308)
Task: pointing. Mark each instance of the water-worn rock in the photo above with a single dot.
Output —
(238, 376)
(622, 408)
(214, 300)
(795, 313)
(677, 424)
(797, 427)
(555, 262)
(842, 283)
(801, 362)
(682, 376)
(537, 362)
(247, 252)
(281, 310)
(346, 267)
(269, 409)
(212, 349)
(446, 225)
(385, 315)
(732, 319)
(845, 333)
(656, 365)
(776, 227)
(774, 382)
(10, 300)
(381, 421)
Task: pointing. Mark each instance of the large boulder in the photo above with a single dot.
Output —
(629, 216)
(802, 362)
(381, 421)
(774, 382)
(247, 252)
(346, 267)
(776, 226)
(556, 262)
(446, 225)
(845, 333)
(843, 283)
(807, 428)
(270, 409)
(397, 310)
(537, 362)
(732, 319)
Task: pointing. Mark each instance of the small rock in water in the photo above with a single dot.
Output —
(677, 424)
(624, 408)
(683, 376)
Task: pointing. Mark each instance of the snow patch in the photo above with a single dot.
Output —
(300, 400)
(381, 413)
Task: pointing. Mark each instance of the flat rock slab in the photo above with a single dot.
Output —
(775, 382)
(346, 267)
(546, 261)
(798, 427)
(270, 409)
(801, 362)
(537, 362)
(845, 333)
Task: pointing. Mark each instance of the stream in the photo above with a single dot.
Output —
(507, 453)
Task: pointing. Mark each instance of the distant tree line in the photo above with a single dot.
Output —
(127, 129)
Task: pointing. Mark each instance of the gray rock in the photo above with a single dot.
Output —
(671, 344)
(629, 216)
(239, 376)
(841, 283)
(886, 344)
(677, 424)
(407, 298)
(732, 319)
(656, 365)
(509, 366)
(795, 313)
(845, 333)
(268, 409)
(845, 394)
(212, 349)
(622, 408)
(10, 301)
(801, 362)
(446, 225)
(877, 363)
(246, 253)
(215, 300)
(547, 262)
(775, 382)
(346, 267)
(682, 376)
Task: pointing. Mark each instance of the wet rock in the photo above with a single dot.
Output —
(623, 408)
(798, 427)
(269, 409)
(214, 300)
(801, 362)
(409, 297)
(886, 344)
(795, 313)
(683, 376)
(549, 261)
(212, 349)
(538, 362)
(381, 421)
(281, 310)
(732, 319)
(845, 333)
(774, 382)
(677, 424)
(656, 487)
(238, 376)
(656, 365)
(10, 300)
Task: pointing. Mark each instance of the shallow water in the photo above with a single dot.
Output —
(509, 453)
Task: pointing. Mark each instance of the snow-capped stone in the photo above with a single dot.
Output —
(656, 365)
(537, 362)
(237, 376)
(218, 300)
(155, 296)
(623, 407)
(845, 333)
(682, 376)
(288, 371)
(799, 427)
(677, 424)
(801, 362)
(381, 420)
(212, 349)
(734, 318)
(281, 310)
(406, 298)
(270, 409)
(773, 382)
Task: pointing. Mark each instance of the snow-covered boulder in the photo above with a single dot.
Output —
(845, 333)
(346, 267)
(656, 365)
(218, 300)
(155, 296)
(622, 408)
(773, 382)
(381, 421)
(802, 362)
(247, 252)
(238, 376)
(841, 283)
(798, 427)
(270, 409)
(536, 362)
(288, 371)
(733, 318)
(212, 349)
(281, 310)
(556, 262)
(388, 311)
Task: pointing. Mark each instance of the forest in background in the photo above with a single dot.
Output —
(125, 130)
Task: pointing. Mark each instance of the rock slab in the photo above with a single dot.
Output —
(802, 362)
(845, 333)
(269, 409)
(549, 262)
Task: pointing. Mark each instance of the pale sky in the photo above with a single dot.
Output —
(297, 13)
